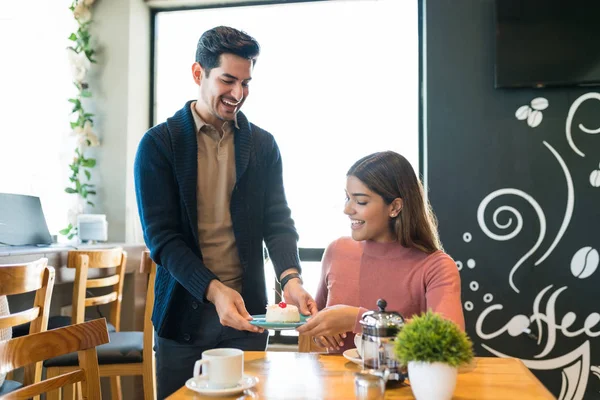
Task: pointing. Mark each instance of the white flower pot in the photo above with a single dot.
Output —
(432, 381)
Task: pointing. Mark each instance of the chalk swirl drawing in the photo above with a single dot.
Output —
(519, 219)
(569, 206)
(570, 117)
(517, 228)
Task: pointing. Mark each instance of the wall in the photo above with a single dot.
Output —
(532, 268)
(121, 88)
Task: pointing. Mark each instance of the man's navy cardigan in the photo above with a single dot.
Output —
(166, 174)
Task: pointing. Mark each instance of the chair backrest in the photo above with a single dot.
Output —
(24, 278)
(37, 347)
(147, 266)
(306, 344)
(82, 261)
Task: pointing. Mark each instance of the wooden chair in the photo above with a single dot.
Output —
(127, 353)
(18, 279)
(82, 261)
(101, 259)
(83, 338)
(307, 345)
(149, 360)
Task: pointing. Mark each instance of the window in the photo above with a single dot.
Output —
(36, 83)
(335, 81)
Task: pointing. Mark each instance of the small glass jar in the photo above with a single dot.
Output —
(368, 386)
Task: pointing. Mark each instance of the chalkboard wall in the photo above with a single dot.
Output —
(514, 178)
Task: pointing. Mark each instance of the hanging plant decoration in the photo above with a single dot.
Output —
(81, 57)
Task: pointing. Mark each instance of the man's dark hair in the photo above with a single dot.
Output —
(224, 39)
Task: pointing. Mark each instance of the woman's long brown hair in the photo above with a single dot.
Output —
(391, 176)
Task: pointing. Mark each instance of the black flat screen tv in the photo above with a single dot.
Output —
(543, 43)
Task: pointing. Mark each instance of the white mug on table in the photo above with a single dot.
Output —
(223, 368)
(358, 344)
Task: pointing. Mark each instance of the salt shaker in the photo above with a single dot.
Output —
(368, 386)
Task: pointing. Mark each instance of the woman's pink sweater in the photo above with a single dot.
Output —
(359, 273)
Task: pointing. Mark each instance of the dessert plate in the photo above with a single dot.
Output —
(352, 355)
(200, 384)
(260, 320)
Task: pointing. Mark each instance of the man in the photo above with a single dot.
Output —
(209, 189)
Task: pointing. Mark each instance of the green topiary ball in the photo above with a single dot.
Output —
(432, 338)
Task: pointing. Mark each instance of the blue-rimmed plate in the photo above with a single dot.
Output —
(259, 320)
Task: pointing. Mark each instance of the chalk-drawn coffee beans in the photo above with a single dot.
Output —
(585, 262)
(522, 113)
(595, 178)
(539, 103)
(534, 118)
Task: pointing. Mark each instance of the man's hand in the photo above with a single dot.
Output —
(330, 322)
(230, 307)
(294, 293)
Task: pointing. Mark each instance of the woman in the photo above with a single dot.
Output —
(394, 254)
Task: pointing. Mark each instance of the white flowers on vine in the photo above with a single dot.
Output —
(82, 13)
(86, 136)
(80, 55)
(80, 64)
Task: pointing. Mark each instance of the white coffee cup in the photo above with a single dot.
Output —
(358, 344)
(222, 368)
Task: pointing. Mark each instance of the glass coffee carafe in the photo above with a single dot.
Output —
(379, 330)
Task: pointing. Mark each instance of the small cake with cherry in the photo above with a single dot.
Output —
(282, 312)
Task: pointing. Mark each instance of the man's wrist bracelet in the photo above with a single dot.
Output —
(288, 277)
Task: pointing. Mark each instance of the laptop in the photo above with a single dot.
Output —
(22, 221)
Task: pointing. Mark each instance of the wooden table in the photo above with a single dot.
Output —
(322, 376)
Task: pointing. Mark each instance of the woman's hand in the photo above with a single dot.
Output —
(330, 321)
(330, 342)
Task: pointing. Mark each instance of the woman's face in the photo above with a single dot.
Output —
(368, 212)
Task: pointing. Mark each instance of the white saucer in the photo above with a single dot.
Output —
(200, 384)
(352, 355)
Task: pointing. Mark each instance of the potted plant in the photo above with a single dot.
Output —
(432, 348)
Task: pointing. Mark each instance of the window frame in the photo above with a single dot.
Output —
(305, 254)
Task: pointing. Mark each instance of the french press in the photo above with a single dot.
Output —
(379, 330)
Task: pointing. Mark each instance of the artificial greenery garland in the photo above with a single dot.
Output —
(81, 56)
